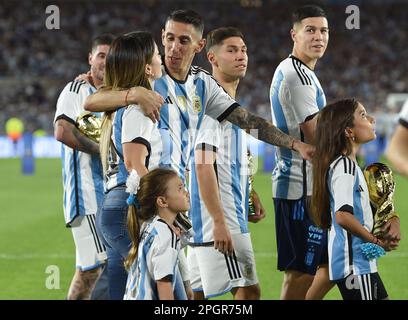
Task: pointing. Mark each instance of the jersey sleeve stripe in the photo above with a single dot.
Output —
(227, 112)
(297, 71)
(146, 143)
(66, 118)
(345, 165)
(206, 147)
(311, 116)
(308, 81)
(403, 123)
(347, 208)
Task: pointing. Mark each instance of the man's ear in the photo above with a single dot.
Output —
(163, 35)
(293, 34)
(211, 58)
(90, 58)
(201, 45)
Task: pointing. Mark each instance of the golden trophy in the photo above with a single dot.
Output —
(90, 125)
(381, 187)
(251, 173)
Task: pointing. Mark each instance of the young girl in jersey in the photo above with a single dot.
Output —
(341, 201)
(152, 262)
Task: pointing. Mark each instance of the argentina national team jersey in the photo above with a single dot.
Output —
(129, 125)
(231, 167)
(295, 96)
(348, 192)
(172, 139)
(82, 172)
(157, 258)
(186, 103)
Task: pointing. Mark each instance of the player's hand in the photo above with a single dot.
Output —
(150, 101)
(222, 238)
(392, 229)
(305, 150)
(84, 77)
(259, 209)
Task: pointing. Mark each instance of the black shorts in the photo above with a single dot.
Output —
(300, 243)
(362, 287)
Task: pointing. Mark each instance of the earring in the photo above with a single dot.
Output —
(353, 138)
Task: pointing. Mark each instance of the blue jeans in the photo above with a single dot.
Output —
(112, 225)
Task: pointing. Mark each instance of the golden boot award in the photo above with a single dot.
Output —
(381, 187)
(90, 125)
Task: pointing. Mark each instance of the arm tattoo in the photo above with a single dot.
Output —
(85, 144)
(69, 135)
(265, 130)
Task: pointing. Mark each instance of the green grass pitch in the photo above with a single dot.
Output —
(33, 237)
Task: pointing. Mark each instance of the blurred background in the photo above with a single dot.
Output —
(369, 63)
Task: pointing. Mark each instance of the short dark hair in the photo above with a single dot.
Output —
(188, 17)
(217, 36)
(308, 11)
(103, 39)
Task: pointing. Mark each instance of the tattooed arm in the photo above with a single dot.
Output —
(68, 134)
(267, 132)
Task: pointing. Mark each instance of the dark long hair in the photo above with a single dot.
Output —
(152, 185)
(331, 141)
(125, 68)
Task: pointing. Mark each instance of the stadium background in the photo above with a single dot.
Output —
(36, 63)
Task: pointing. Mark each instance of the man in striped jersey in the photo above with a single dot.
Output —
(82, 174)
(189, 93)
(219, 188)
(296, 97)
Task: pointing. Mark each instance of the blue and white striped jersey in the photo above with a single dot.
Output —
(348, 192)
(231, 166)
(181, 116)
(131, 125)
(82, 172)
(296, 96)
(157, 258)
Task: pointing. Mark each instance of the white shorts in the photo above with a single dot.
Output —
(90, 251)
(220, 273)
(194, 270)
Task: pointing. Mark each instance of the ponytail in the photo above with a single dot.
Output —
(105, 140)
(133, 225)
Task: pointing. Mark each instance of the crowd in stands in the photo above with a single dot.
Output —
(36, 63)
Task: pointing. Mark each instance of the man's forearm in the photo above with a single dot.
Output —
(85, 144)
(105, 100)
(69, 135)
(267, 132)
(209, 191)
